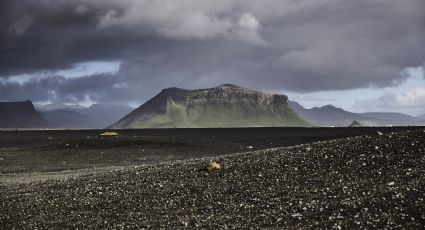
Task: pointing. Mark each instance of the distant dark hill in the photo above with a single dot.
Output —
(332, 116)
(355, 124)
(74, 116)
(21, 115)
(222, 106)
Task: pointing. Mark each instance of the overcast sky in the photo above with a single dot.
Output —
(362, 55)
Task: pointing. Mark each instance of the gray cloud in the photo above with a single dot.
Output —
(410, 100)
(306, 45)
(61, 89)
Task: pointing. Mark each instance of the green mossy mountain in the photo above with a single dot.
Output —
(222, 106)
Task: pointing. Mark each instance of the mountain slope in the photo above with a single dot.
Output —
(20, 115)
(355, 124)
(222, 106)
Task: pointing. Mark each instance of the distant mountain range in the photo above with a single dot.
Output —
(72, 116)
(329, 115)
(63, 118)
(222, 106)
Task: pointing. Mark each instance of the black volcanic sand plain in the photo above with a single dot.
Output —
(29, 151)
(370, 181)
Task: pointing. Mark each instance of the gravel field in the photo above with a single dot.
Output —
(374, 181)
(44, 152)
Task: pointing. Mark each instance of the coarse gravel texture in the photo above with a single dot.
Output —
(375, 181)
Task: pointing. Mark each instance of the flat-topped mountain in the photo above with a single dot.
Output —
(20, 115)
(223, 106)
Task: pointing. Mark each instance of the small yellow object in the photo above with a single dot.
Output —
(109, 134)
(213, 166)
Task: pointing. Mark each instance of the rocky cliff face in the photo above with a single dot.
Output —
(222, 106)
(20, 115)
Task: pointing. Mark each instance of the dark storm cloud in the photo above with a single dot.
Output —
(60, 89)
(304, 45)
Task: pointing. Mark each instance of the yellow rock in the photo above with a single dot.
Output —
(212, 166)
(109, 134)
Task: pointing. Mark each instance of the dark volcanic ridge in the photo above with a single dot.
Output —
(21, 115)
(361, 182)
(223, 106)
(356, 124)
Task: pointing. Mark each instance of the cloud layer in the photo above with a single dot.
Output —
(408, 97)
(298, 45)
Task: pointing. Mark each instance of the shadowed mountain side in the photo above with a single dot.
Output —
(21, 115)
(355, 124)
(222, 106)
